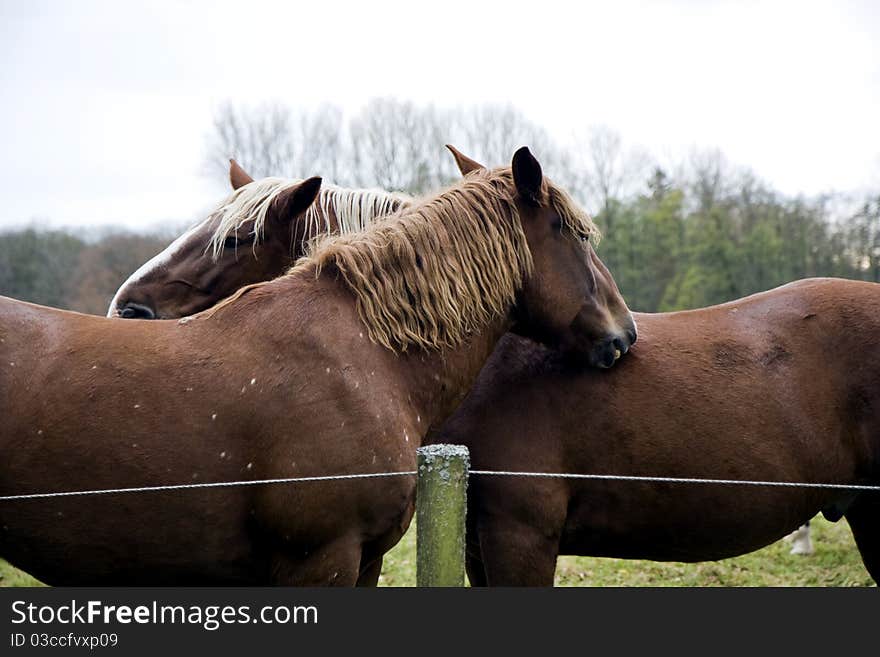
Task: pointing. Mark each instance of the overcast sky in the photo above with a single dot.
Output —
(106, 106)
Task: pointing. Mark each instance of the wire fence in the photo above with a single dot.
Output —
(408, 473)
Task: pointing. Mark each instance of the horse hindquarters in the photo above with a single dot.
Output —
(864, 520)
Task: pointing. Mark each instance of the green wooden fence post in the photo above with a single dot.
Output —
(441, 506)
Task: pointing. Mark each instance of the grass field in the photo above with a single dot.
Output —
(836, 562)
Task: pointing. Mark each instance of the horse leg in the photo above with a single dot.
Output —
(864, 520)
(515, 554)
(476, 571)
(370, 573)
(332, 564)
(374, 551)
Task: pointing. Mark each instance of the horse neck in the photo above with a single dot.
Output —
(439, 380)
(435, 381)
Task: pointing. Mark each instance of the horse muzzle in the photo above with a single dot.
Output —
(607, 352)
(135, 311)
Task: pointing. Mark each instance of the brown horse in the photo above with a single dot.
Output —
(241, 243)
(522, 351)
(780, 386)
(340, 366)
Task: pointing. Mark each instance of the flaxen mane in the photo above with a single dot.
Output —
(433, 273)
(354, 209)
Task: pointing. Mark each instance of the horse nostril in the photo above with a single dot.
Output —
(137, 311)
(633, 336)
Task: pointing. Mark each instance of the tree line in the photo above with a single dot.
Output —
(677, 234)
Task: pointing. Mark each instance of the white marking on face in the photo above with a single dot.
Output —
(156, 262)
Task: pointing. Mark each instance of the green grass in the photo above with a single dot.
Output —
(10, 576)
(836, 562)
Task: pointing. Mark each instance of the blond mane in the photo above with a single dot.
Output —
(354, 209)
(437, 271)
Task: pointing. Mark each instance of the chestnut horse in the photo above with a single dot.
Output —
(240, 244)
(779, 386)
(339, 367)
(521, 353)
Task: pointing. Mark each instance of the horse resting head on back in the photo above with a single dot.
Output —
(283, 380)
(245, 242)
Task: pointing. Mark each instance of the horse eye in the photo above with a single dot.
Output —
(233, 241)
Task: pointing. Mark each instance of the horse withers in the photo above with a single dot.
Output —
(339, 367)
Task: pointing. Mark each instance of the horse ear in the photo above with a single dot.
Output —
(238, 177)
(527, 175)
(295, 200)
(465, 164)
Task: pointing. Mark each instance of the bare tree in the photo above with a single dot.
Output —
(273, 140)
(320, 146)
(491, 133)
(399, 146)
(261, 139)
(607, 170)
(709, 176)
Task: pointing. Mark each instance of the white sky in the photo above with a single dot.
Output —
(106, 106)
